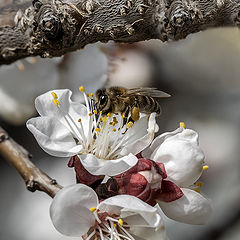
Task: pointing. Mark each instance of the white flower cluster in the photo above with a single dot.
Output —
(106, 146)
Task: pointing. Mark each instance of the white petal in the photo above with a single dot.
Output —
(140, 135)
(147, 233)
(45, 107)
(98, 166)
(158, 141)
(70, 212)
(191, 208)
(127, 206)
(53, 137)
(182, 157)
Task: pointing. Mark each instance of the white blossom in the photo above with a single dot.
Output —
(104, 144)
(76, 211)
(183, 159)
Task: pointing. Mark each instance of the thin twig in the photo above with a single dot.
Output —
(34, 178)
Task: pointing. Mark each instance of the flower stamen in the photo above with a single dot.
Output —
(199, 184)
(93, 209)
(120, 221)
(205, 168)
(56, 102)
(20, 66)
(55, 96)
(110, 229)
(101, 137)
(91, 234)
(197, 190)
(82, 89)
(182, 124)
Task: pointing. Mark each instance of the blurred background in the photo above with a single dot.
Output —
(201, 73)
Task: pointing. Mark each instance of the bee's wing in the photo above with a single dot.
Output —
(151, 92)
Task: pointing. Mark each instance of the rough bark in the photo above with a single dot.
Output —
(34, 178)
(54, 27)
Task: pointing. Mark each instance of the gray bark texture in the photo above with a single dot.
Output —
(50, 28)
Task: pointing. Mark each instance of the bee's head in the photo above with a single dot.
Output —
(102, 100)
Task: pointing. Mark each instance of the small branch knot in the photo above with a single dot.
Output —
(53, 182)
(32, 185)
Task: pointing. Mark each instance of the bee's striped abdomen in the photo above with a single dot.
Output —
(147, 104)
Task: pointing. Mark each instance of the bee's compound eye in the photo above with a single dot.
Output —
(103, 99)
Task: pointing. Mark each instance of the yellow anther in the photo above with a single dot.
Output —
(87, 94)
(109, 114)
(34, 60)
(135, 115)
(56, 102)
(100, 119)
(55, 96)
(98, 130)
(120, 221)
(114, 130)
(95, 111)
(91, 94)
(115, 120)
(79, 120)
(90, 114)
(114, 225)
(93, 209)
(205, 167)
(199, 184)
(100, 112)
(182, 124)
(81, 89)
(113, 123)
(196, 190)
(21, 67)
(104, 119)
(130, 124)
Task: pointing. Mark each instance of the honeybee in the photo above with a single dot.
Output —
(123, 100)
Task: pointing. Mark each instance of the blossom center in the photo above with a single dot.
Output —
(108, 227)
(106, 135)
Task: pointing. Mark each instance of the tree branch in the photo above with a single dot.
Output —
(54, 27)
(34, 178)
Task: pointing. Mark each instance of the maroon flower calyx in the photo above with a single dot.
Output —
(169, 192)
(82, 175)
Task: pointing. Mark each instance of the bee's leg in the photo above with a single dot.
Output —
(125, 117)
(134, 116)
